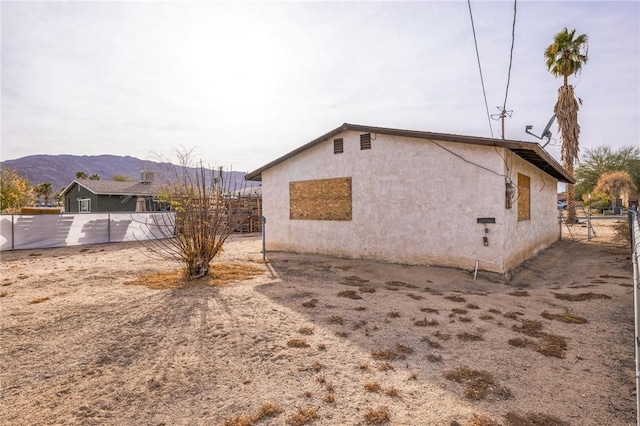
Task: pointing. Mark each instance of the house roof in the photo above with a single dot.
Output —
(110, 187)
(529, 151)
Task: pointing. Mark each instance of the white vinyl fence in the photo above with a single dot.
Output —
(21, 231)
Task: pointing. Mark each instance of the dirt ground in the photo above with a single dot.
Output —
(319, 340)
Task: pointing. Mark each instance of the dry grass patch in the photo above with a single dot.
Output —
(400, 284)
(415, 296)
(39, 300)
(322, 347)
(349, 294)
(482, 420)
(220, 273)
(456, 298)
(316, 366)
(442, 336)
(430, 310)
(393, 314)
(376, 416)
(478, 384)
(495, 311)
(569, 319)
(548, 345)
(432, 343)
(303, 416)
(329, 398)
(533, 419)
(363, 366)
(519, 293)
(434, 358)
(367, 290)
(3, 293)
(342, 334)
(392, 392)
(411, 377)
(384, 366)
(513, 315)
(486, 317)
(472, 306)
(425, 323)
(305, 330)
(459, 311)
(580, 297)
(386, 355)
(465, 319)
(372, 387)
(297, 343)
(360, 308)
(469, 337)
(321, 379)
(355, 280)
(265, 411)
(404, 349)
(311, 303)
(529, 327)
(336, 319)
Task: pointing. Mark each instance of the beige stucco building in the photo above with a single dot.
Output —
(413, 197)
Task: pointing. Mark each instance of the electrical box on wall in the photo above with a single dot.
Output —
(486, 220)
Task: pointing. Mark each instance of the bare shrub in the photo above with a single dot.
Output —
(305, 330)
(456, 298)
(434, 358)
(206, 208)
(425, 323)
(311, 303)
(336, 319)
(519, 293)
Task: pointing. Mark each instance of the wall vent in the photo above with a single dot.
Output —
(365, 141)
(338, 146)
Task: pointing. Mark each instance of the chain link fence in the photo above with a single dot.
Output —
(20, 231)
(634, 228)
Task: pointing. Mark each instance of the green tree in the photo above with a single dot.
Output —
(600, 160)
(94, 176)
(15, 191)
(81, 175)
(121, 178)
(564, 57)
(45, 189)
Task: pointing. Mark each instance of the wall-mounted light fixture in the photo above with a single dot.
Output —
(510, 192)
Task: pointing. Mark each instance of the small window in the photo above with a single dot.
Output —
(84, 205)
(365, 141)
(524, 197)
(338, 146)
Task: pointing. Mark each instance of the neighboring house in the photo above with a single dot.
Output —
(85, 195)
(413, 197)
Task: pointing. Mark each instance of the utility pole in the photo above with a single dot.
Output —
(503, 113)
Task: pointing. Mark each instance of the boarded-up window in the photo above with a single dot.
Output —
(524, 197)
(338, 146)
(322, 199)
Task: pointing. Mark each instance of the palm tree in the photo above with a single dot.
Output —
(565, 57)
(81, 175)
(44, 189)
(94, 176)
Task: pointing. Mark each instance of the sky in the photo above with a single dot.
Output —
(243, 83)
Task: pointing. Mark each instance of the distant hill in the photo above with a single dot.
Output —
(60, 170)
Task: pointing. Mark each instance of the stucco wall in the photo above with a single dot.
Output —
(523, 239)
(413, 202)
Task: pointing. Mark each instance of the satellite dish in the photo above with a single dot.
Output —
(546, 133)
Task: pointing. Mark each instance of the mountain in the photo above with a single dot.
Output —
(60, 170)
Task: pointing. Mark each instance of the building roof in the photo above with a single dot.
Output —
(529, 151)
(110, 187)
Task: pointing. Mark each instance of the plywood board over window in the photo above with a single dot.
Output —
(321, 199)
(524, 197)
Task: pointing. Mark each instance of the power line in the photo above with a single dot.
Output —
(484, 93)
(513, 38)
